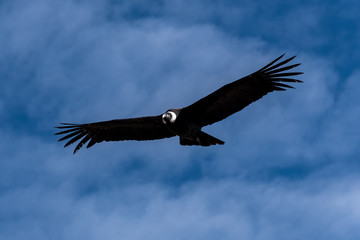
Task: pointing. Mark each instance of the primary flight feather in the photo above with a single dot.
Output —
(187, 122)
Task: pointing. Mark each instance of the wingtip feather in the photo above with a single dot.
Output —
(271, 63)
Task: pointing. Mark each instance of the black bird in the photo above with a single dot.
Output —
(187, 122)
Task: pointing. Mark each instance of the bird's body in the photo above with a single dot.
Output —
(189, 132)
(187, 122)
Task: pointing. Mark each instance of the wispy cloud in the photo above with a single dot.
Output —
(288, 169)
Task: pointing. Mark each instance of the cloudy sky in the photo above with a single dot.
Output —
(289, 168)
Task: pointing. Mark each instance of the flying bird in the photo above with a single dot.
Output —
(187, 122)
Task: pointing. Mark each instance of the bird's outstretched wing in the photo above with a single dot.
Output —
(143, 128)
(234, 96)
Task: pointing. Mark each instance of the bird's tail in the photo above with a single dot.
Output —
(202, 139)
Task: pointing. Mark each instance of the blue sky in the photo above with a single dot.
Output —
(290, 165)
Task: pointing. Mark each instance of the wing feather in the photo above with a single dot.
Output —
(143, 128)
(271, 63)
(82, 142)
(74, 139)
(284, 68)
(234, 96)
(279, 64)
(74, 132)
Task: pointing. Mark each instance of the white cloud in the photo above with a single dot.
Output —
(67, 62)
(226, 209)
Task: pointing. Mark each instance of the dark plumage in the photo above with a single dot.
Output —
(187, 122)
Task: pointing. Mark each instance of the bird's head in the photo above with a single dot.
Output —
(169, 117)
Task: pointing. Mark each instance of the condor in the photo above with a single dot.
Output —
(187, 122)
